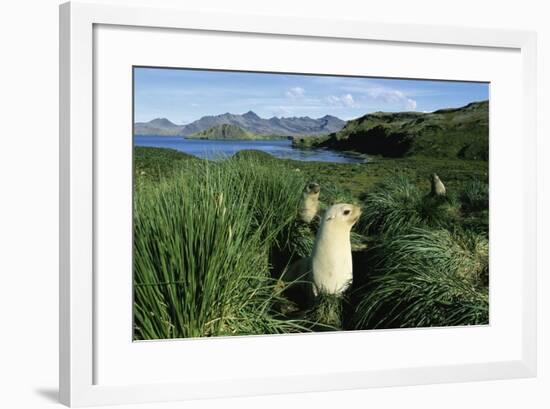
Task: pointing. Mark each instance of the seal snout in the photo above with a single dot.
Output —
(353, 213)
(357, 214)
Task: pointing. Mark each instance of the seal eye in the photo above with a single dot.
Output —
(346, 212)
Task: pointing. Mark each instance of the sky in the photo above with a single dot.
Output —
(183, 95)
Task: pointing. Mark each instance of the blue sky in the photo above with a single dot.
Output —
(184, 96)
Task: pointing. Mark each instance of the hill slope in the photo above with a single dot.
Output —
(225, 131)
(457, 132)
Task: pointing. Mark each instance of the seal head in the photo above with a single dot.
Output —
(309, 205)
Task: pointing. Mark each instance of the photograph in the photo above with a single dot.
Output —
(283, 203)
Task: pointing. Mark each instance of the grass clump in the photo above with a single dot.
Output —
(156, 163)
(411, 298)
(397, 204)
(391, 206)
(474, 200)
(475, 196)
(458, 253)
(426, 277)
(328, 312)
(429, 262)
(201, 244)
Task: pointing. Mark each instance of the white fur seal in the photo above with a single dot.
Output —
(438, 188)
(331, 260)
(310, 202)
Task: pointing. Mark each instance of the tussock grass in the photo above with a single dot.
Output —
(412, 297)
(426, 277)
(154, 164)
(328, 312)
(214, 239)
(201, 243)
(397, 205)
(430, 261)
(436, 211)
(458, 253)
(475, 196)
(332, 194)
(475, 206)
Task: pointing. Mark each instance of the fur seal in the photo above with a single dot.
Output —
(438, 188)
(310, 202)
(331, 260)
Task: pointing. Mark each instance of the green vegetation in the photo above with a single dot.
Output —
(201, 243)
(432, 287)
(213, 241)
(230, 132)
(397, 205)
(157, 163)
(446, 133)
(429, 261)
(309, 141)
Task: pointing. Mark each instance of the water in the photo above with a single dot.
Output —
(212, 149)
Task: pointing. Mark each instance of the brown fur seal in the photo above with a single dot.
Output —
(438, 188)
(331, 261)
(310, 202)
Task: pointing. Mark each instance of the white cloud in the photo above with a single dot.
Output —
(295, 92)
(411, 104)
(392, 96)
(345, 100)
(281, 111)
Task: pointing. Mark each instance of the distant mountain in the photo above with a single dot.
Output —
(162, 123)
(454, 132)
(249, 121)
(225, 131)
(158, 126)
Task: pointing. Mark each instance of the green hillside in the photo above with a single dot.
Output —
(446, 133)
(227, 131)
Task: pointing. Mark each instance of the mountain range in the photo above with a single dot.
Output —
(249, 121)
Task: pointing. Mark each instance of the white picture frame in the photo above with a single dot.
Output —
(78, 157)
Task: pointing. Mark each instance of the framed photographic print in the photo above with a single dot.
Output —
(255, 204)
